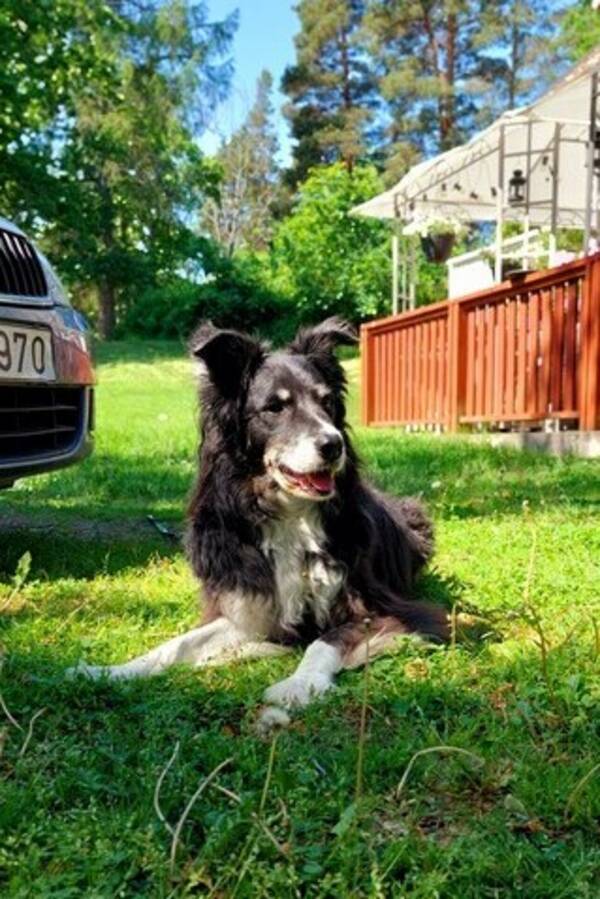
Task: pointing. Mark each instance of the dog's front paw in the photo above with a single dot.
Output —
(271, 718)
(297, 691)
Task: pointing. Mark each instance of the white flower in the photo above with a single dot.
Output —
(425, 224)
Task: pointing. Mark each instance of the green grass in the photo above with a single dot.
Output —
(76, 807)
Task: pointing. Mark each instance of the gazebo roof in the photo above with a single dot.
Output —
(547, 141)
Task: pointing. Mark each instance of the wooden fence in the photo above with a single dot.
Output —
(524, 351)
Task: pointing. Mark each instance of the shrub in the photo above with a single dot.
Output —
(234, 294)
(168, 310)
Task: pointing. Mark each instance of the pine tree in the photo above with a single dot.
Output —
(242, 216)
(451, 66)
(332, 88)
(517, 54)
(427, 52)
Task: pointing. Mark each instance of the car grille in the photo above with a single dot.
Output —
(21, 273)
(39, 421)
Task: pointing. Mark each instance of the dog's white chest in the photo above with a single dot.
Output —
(306, 577)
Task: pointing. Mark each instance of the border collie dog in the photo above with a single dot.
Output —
(290, 543)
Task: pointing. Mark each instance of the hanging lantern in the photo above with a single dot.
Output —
(516, 188)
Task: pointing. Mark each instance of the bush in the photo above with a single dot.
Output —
(235, 294)
(169, 310)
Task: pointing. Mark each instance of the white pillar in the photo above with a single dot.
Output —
(551, 248)
(395, 260)
(499, 208)
(412, 292)
(525, 259)
(589, 190)
(499, 217)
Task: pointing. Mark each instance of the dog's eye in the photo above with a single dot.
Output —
(275, 405)
(327, 402)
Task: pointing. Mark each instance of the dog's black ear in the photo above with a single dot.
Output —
(318, 344)
(322, 339)
(229, 356)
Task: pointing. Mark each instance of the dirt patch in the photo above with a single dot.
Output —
(87, 528)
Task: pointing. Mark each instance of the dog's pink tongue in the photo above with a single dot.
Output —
(321, 481)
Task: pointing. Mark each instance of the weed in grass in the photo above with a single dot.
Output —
(159, 812)
(580, 786)
(184, 815)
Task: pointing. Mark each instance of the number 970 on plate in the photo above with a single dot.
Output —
(25, 354)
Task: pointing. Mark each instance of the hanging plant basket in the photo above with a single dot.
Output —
(437, 247)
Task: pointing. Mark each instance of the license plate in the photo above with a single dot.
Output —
(26, 354)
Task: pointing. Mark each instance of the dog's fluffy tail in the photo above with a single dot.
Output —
(424, 618)
(414, 521)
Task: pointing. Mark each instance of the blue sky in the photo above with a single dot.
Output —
(264, 39)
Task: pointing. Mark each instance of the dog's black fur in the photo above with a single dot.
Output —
(381, 542)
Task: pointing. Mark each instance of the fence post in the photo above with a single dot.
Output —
(457, 359)
(367, 386)
(589, 399)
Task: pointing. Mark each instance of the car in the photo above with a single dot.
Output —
(46, 372)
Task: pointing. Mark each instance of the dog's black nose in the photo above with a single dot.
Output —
(330, 447)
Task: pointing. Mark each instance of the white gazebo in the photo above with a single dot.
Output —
(538, 165)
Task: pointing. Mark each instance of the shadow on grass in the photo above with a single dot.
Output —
(107, 486)
(111, 738)
(84, 524)
(59, 554)
(94, 519)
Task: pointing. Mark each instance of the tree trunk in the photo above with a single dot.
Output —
(346, 92)
(107, 319)
(514, 66)
(449, 76)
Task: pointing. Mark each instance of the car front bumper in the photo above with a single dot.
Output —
(47, 425)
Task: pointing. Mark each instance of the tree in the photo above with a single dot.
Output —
(332, 88)
(426, 51)
(242, 216)
(517, 54)
(450, 66)
(49, 56)
(133, 180)
(326, 260)
(104, 163)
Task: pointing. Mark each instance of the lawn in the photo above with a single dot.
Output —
(340, 804)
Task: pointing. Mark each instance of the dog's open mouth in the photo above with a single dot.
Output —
(312, 483)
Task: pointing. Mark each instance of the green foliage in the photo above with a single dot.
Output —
(326, 260)
(167, 310)
(51, 53)
(77, 816)
(104, 165)
(323, 261)
(579, 30)
(235, 294)
(239, 295)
